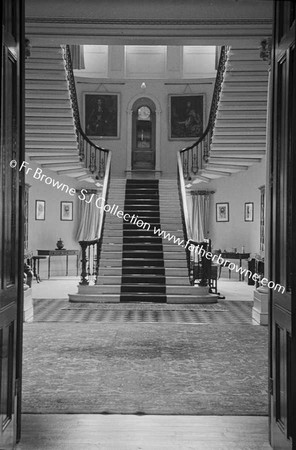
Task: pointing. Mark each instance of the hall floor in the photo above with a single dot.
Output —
(130, 432)
(147, 432)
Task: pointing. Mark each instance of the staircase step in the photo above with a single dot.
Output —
(243, 106)
(45, 138)
(143, 279)
(53, 112)
(52, 145)
(198, 299)
(43, 123)
(143, 288)
(142, 262)
(36, 74)
(59, 85)
(147, 271)
(144, 297)
(94, 298)
(48, 103)
(44, 64)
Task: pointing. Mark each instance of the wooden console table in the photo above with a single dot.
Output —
(62, 252)
(233, 255)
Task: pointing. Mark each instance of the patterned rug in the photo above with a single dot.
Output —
(46, 310)
(141, 368)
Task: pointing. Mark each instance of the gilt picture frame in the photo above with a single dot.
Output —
(186, 116)
(101, 115)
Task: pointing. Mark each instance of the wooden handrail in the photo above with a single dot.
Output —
(93, 155)
(183, 195)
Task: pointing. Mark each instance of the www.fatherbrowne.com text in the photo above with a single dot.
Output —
(101, 204)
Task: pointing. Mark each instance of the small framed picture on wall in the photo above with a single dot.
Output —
(222, 212)
(66, 210)
(39, 210)
(249, 212)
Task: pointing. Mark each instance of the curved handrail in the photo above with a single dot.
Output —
(198, 152)
(92, 154)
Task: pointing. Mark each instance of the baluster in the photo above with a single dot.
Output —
(81, 147)
(93, 260)
(84, 280)
(88, 262)
(194, 168)
(102, 159)
(92, 164)
(185, 165)
(206, 149)
(97, 248)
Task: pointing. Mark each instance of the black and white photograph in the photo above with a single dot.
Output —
(148, 225)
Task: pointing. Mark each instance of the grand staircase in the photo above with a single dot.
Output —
(51, 139)
(239, 135)
(136, 264)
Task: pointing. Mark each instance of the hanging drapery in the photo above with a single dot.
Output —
(199, 214)
(77, 55)
(88, 217)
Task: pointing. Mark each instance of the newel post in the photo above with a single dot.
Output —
(84, 280)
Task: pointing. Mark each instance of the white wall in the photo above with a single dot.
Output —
(43, 234)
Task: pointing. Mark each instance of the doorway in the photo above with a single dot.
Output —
(143, 134)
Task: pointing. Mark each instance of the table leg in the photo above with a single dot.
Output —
(67, 261)
(239, 274)
(48, 275)
(77, 265)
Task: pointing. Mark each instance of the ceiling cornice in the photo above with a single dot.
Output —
(137, 22)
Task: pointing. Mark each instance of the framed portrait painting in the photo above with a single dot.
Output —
(101, 115)
(39, 210)
(66, 211)
(222, 212)
(186, 116)
(249, 212)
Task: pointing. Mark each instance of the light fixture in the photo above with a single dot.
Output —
(188, 185)
(98, 184)
(143, 85)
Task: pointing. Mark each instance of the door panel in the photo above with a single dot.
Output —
(11, 242)
(283, 205)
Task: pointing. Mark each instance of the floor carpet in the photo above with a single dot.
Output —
(136, 368)
(58, 310)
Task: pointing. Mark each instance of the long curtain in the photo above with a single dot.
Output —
(77, 55)
(88, 219)
(199, 214)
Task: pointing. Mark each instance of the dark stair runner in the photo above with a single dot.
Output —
(143, 273)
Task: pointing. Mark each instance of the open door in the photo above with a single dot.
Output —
(283, 231)
(11, 243)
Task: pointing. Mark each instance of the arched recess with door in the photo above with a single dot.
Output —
(143, 136)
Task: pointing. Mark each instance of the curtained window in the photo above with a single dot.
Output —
(77, 55)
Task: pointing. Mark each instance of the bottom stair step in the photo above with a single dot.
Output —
(150, 297)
